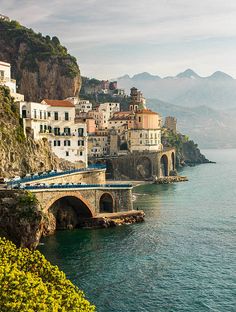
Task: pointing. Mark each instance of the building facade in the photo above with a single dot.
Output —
(55, 121)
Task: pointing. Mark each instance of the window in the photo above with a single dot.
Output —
(139, 119)
(49, 114)
(67, 143)
(67, 131)
(81, 153)
(35, 113)
(45, 115)
(140, 135)
(66, 116)
(40, 115)
(57, 143)
(41, 128)
(141, 142)
(80, 143)
(1, 74)
(67, 153)
(56, 115)
(57, 131)
(81, 132)
(45, 128)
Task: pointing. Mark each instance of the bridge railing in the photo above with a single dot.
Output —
(71, 186)
(51, 174)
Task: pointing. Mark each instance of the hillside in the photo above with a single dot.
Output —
(41, 65)
(210, 128)
(19, 154)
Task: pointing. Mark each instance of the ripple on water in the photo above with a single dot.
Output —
(182, 258)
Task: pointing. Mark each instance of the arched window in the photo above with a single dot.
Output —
(106, 203)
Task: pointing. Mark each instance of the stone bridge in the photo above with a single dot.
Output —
(68, 206)
(142, 165)
(68, 198)
(95, 199)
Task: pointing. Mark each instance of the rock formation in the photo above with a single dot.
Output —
(41, 66)
(187, 152)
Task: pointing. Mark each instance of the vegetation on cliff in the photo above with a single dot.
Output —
(20, 154)
(91, 90)
(187, 152)
(30, 283)
(39, 63)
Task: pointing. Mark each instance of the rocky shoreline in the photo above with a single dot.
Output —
(115, 219)
(170, 179)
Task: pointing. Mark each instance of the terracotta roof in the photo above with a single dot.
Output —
(59, 103)
(146, 111)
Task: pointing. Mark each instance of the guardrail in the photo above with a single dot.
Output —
(55, 174)
(70, 186)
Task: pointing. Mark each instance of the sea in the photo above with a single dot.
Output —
(182, 258)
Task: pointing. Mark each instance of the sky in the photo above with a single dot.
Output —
(112, 38)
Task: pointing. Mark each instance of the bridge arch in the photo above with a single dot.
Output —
(106, 203)
(164, 166)
(144, 167)
(68, 211)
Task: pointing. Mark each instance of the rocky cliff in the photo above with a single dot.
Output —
(187, 152)
(41, 66)
(21, 218)
(19, 154)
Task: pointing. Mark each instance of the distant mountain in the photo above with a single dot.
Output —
(208, 127)
(186, 89)
(221, 76)
(189, 73)
(146, 76)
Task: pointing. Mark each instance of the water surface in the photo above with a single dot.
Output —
(182, 258)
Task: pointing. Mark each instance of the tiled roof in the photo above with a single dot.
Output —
(59, 103)
(146, 111)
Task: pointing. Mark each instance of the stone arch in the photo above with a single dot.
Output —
(144, 167)
(106, 203)
(173, 160)
(68, 211)
(164, 165)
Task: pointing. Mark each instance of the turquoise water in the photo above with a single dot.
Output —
(182, 258)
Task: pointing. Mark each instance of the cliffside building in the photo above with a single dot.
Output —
(5, 79)
(54, 120)
(171, 123)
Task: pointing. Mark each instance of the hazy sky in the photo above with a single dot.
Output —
(111, 38)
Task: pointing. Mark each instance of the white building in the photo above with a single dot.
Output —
(5, 79)
(83, 106)
(55, 120)
(109, 108)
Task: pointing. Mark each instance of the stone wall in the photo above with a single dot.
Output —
(88, 177)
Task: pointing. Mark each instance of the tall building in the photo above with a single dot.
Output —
(145, 133)
(171, 123)
(55, 121)
(137, 101)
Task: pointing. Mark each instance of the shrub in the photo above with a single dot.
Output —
(30, 283)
